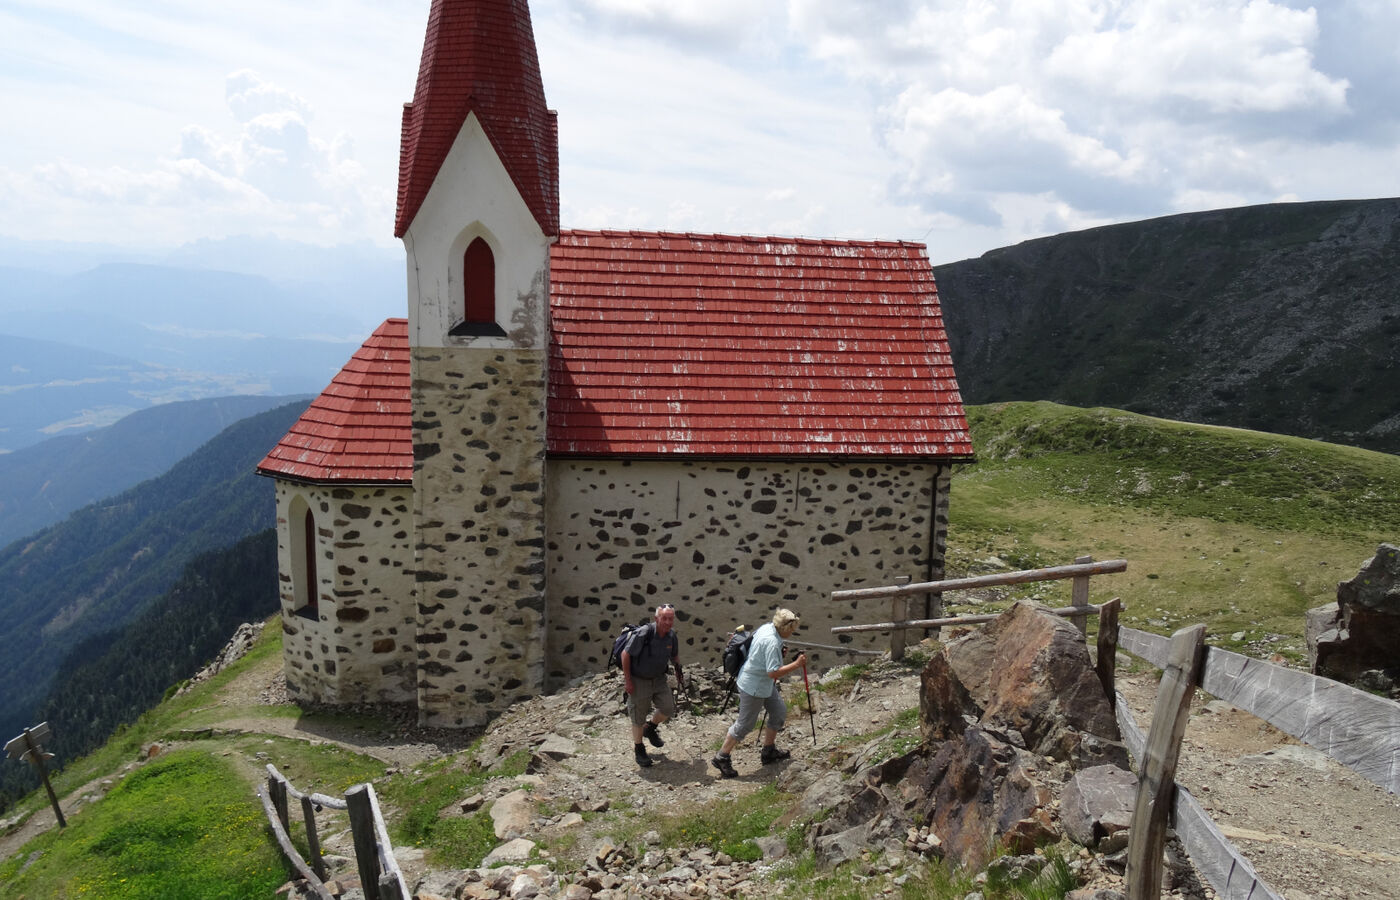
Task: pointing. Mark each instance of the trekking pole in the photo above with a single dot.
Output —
(685, 695)
(811, 713)
(729, 692)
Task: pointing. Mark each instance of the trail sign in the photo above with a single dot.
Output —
(28, 748)
(19, 747)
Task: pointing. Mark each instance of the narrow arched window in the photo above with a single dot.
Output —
(306, 586)
(479, 282)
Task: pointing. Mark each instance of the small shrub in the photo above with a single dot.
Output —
(727, 826)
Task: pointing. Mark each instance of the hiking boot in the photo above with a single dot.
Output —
(772, 754)
(724, 764)
(649, 732)
(640, 754)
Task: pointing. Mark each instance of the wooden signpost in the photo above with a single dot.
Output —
(29, 747)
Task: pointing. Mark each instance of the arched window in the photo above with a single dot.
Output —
(479, 282)
(306, 585)
(313, 583)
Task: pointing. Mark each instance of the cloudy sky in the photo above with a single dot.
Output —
(965, 124)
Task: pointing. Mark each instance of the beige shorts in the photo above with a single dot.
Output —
(649, 692)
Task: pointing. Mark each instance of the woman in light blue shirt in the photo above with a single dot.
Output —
(758, 691)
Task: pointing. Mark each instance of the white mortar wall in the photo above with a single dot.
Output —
(727, 543)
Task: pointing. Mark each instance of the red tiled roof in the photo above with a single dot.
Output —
(690, 345)
(360, 429)
(716, 345)
(480, 57)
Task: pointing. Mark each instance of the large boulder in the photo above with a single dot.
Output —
(981, 793)
(1361, 630)
(1026, 676)
(1007, 713)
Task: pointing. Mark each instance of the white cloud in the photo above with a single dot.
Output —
(968, 123)
(250, 97)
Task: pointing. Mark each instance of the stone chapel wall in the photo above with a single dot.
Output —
(479, 495)
(727, 543)
(360, 648)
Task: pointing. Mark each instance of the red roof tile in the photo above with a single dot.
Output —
(360, 429)
(480, 57)
(718, 345)
(692, 346)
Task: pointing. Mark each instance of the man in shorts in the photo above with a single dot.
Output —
(645, 660)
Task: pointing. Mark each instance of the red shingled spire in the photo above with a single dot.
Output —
(479, 56)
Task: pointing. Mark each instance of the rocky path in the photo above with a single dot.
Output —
(1312, 829)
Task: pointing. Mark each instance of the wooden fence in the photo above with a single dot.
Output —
(1359, 730)
(380, 877)
(1084, 567)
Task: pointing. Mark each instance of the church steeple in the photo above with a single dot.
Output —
(479, 57)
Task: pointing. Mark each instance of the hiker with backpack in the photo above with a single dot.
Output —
(757, 683)
(648, 652)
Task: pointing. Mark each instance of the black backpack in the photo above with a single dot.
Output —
(622, 640)
(737, 650)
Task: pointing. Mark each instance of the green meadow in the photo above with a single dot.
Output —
(1241, 530)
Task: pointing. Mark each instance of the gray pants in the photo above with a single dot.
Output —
(749, 707)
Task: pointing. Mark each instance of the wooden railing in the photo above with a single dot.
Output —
(1357, 729)
(1084, 567)
(380, 877)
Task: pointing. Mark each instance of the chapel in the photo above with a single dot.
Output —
(571, 427)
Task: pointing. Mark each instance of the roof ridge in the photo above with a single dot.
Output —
(738, 237)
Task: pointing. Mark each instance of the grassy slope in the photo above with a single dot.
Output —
(1241, 530)
(213, 838)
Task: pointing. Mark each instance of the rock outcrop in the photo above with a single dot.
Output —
(1007, 713)
(1354, 639)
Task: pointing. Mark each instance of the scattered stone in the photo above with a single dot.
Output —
(557, 747)
(1097, 802)
(512, 814)
(515, 850)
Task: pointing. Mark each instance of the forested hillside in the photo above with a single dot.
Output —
(107, 562)
(42, 483)
(1282, 318)
(110, 679)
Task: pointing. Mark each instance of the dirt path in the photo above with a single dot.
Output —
(1310, 827)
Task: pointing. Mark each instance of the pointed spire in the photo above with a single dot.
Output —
(479, 56)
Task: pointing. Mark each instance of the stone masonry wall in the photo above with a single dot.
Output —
(728, 543)
(361, 647)
(479, 482)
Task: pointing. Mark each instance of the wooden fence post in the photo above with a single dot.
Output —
(1106, 655)
(899, 611)
(277, 792)
(1157, 772)
(313, 840)
(366, 840)
(1079, 595)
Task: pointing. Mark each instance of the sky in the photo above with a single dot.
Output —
(962, 124)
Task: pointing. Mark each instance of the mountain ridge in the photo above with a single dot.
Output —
(1282, 318)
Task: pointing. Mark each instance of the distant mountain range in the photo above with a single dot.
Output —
(43, 483)
(91, 334)
(109, 561)
(1281, 318)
